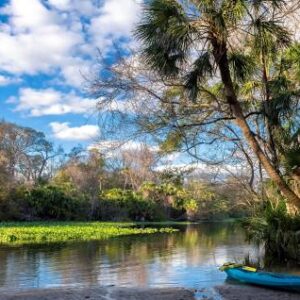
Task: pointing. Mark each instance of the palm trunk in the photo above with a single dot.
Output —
(270, 130)
(220, 54)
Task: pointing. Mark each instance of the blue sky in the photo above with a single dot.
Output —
(47, 47)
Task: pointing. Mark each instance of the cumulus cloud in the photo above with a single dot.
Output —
(62, 36)
(63, 131)
(117, 19)
(37, 39)
(27, 15)
(40, 102)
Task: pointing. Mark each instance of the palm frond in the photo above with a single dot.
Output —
(292, 157)
(269, 35)
(275, 4)
(166, 35)
(242, 66)
(233, 11)
(293, 57)
(281, 104)
(202, 67)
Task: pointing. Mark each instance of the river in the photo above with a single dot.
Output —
(188, 258)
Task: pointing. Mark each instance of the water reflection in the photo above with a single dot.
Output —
(186, 258)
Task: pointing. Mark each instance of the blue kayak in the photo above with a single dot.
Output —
(252, 276)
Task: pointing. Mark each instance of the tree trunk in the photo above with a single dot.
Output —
(220, 55)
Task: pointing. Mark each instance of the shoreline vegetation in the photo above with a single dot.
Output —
(38, 232)
(20, 233)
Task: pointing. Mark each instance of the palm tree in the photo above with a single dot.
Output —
(236, 44)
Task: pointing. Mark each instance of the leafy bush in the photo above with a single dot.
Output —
(278, 230)
(13, 204)
(118, 204)
(51, 202)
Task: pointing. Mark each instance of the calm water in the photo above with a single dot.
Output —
(188, 258)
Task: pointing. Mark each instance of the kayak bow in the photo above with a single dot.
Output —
(252, 276)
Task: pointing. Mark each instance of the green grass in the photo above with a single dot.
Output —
(46, 232)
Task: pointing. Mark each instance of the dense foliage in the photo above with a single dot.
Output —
(82, 185)
(278, 231)
(151, 203)
(118, 204)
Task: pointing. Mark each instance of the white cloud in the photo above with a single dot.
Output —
(51, 102)
(113, 148)
(128, 106)
(63, 131)
(85, 7)
(28, 15)
(117, 19)
(75, 71)
(60, 4)
(38, 40)
(55, 38)
(6, 80)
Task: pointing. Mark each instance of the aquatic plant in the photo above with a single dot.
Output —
(45, 232)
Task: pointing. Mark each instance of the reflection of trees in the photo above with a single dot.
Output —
(18, 266)
(127, 260)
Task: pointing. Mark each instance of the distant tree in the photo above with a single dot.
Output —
(27, 152)
(83, 173)
(138, 166)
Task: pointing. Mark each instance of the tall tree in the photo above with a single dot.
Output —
(214, 43)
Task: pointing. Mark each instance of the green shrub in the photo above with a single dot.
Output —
(278, 230)
(13, 205)
(118, 204)
(52, 202)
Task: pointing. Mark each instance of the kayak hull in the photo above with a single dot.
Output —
(266, 279)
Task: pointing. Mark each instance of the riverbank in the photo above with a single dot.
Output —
(45, 232)
(246, 292)
(224, 292)
(101, 293)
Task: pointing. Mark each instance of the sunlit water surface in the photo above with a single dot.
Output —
(188, 258)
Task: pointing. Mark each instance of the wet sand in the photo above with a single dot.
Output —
(101, 293)
(246, 292)
(224, 292)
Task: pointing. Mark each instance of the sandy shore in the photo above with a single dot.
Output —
(246, 292)
(224, 292)
(100, 293)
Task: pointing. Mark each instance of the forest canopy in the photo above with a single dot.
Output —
(39, 182)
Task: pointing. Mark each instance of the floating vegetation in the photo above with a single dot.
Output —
(46, 232)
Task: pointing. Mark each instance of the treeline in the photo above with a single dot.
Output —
(39, 182)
